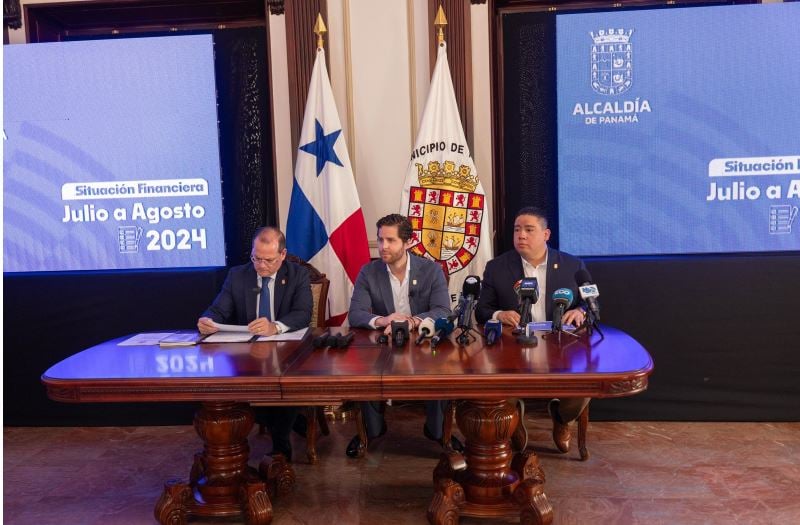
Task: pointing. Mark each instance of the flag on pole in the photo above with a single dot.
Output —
(326, 225)
(442, 195)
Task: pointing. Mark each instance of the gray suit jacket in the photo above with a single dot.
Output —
(372, 294)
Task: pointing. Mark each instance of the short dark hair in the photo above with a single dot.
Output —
(271, 231)
(404, 230)
(535, 211)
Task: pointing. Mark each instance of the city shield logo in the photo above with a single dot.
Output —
(446, 214)
(612, 61)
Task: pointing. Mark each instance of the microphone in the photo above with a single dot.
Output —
(321, 340)
(341, 340)
(527, 290)
(589, 292)
(426, 329)
(562, 300)
(399, 333)
(492, 331)
(443, 327)
(470, 291)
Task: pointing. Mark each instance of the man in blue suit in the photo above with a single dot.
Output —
(398, 287)
(271, 296)
(532, 257)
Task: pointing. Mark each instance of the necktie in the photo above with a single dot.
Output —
(264, 309)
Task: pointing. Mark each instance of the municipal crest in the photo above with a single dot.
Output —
(446, 214)
(612, 61)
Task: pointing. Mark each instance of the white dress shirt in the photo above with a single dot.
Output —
(402, 304)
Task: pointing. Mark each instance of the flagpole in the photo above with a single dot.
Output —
(320, 30)
(439, 23)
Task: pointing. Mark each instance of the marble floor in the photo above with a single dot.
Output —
(639, 472)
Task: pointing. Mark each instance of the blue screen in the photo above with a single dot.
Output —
(679, 130)
(111, 155)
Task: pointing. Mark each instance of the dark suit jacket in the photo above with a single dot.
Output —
(236, 303)
(372, 294)
(497, 292)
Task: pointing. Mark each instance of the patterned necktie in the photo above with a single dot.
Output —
(264, 309)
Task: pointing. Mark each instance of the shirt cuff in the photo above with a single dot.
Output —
(372, 322)
(495, 314)
(282, 328)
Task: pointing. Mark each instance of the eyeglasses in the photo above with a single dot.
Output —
(267, 262)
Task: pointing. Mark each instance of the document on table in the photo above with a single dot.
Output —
(286, 336)
(232, 327)
(151, 338)
(228, 337)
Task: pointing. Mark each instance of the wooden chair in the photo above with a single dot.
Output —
(315, 415)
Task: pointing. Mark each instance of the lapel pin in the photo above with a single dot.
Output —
(555, 266)
(283, 281)
(414, 282)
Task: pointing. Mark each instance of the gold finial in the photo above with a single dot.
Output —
(439, 24)
(320, 30)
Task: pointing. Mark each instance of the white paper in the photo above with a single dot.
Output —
(145, 339)
(231, 327)
(287, 336)
(228, 337)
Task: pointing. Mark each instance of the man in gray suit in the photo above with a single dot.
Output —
(398, 287)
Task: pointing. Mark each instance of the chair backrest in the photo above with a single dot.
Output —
(319, 291)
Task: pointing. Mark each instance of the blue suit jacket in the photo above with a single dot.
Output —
(236, 303)
(497, 291)
(372, 294)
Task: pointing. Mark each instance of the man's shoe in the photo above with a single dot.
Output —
(352, 450)
(455, 443)
(561, 432)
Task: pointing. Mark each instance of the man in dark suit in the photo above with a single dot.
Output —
(398, 287)
(531, 257)
(271, 296)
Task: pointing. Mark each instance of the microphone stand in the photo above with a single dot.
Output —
(591, 324)
(464, 338)
(524, 316)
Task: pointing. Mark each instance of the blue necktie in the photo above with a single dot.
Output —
(263, 302)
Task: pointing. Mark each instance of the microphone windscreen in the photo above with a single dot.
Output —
(529, 287)
(427, 327)
(492, 331)
(471, 286)
(563, 296)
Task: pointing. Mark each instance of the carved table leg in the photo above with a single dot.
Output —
(221, 484)
(495, 483)
(278, 473)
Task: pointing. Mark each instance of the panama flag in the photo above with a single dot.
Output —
(326, 226)
(442, 195)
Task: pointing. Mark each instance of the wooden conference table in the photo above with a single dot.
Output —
(225, 378)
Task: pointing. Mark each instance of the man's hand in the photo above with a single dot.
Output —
(575, 317)
(262, 327)
(380, 322)
(413, 322)
(206, 325)
(509, 318)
